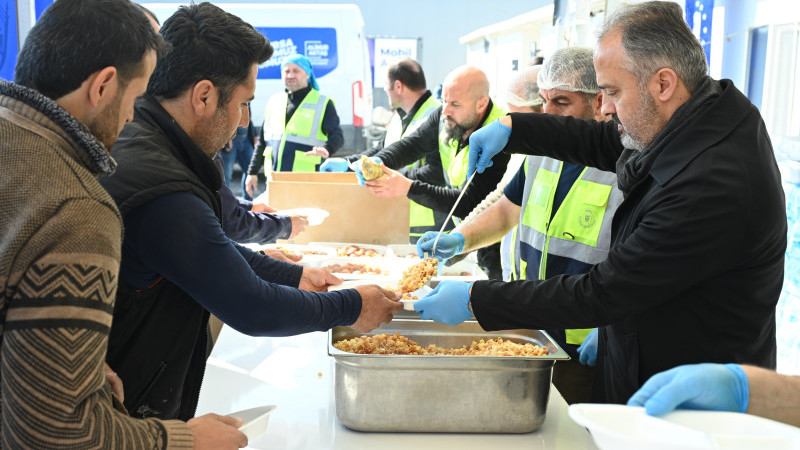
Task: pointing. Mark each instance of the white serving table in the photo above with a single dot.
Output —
(296, 374)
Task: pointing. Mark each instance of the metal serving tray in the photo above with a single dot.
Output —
(464, 394)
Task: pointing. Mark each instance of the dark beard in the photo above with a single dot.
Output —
(452, 135)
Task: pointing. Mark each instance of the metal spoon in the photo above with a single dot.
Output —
(466, 185)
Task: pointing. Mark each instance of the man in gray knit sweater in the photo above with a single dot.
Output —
(80, 70)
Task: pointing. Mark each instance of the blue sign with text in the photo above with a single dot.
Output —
(318, 44)
(8, 39)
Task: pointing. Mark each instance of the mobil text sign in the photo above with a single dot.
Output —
(389, 50)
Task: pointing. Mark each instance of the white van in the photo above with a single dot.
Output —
(331, 36)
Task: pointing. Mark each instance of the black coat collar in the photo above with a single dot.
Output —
(714, 125)
(149, 110)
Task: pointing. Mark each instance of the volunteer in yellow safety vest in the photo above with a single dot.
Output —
(412, 102)
(563, 210)
(300, 127)
(443, 141)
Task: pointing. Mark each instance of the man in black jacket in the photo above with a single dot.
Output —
(177, 264)
(696, 264)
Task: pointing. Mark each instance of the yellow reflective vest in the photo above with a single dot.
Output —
(579, 233)
(455, 160)
(304, 129)
(420, 218)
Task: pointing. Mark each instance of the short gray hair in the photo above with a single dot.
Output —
(655, 36)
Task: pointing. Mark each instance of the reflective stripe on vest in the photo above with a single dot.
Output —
(513, 250)
(455, 161)
(579, 230)
(304, 128)
(419, 216)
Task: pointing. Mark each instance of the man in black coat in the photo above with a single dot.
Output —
(696, 264)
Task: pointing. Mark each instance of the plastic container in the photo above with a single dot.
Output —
(458, 394)
(621, 427)
(255, 420)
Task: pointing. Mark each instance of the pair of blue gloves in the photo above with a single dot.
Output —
(448, 302)
(341, 165)
(483, 145)
(452, 244)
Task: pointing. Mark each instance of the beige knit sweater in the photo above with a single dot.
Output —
(60, 237)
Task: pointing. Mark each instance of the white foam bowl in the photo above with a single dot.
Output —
(621, 427)
(255, 420)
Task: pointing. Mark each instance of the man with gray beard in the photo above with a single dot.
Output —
(697, 246)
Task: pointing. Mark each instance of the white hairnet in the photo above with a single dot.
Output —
(523, 89)
(569, 69)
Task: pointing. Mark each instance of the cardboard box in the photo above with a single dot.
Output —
(356, 215)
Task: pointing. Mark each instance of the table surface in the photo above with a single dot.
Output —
(296, 374)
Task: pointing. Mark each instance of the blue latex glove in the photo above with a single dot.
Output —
(484, 144)
(334, 165)
(357, 169)
(446, 304)
(588, 350)
(716, 387)
(449, 245)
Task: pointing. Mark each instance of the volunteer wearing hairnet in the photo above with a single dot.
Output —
(300, 128)
(698, 244)
(521, 95)
(547, 200)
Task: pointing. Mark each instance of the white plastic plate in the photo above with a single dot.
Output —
(408, 305)
(621, 427)
(388, 283)
(255, 420)
(315, 215)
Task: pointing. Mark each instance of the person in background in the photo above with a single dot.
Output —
(61, 245)
(546, 200)
(177, 264)
(722, 387)
(300, 127)
(239, 150)
(412, 103)
(522, 93)
(697, 245)
(409, 98)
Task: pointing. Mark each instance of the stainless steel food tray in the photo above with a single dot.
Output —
(464, 394)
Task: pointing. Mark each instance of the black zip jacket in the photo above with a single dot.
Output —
(697, 257)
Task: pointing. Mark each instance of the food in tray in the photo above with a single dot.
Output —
(354, 250)
(370, 170)
(457, 274)
(353, 268)
(395, 344)
(417, 275)
(408, 296)
(301, 251)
